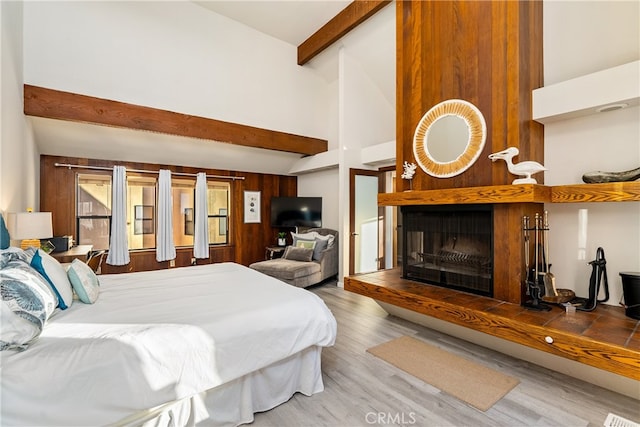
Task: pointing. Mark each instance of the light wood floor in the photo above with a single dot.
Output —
(362, 390)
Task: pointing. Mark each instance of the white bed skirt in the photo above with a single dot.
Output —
(234, 403)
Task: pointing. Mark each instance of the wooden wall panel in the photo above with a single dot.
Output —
(247, 242)
(487, 53)
(490, 54)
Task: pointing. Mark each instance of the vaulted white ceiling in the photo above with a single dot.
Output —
(289, 21)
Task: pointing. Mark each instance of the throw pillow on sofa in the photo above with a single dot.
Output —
(314, 235)
(295, 253)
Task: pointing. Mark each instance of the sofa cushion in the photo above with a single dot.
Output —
(314, 235)
(320, 246)
(301, 253)
(286, 269)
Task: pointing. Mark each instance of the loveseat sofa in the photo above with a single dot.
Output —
(294, 268)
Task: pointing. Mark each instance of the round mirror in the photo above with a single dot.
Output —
(449, 138)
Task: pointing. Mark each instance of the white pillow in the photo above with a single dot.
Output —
(303, 236)
(53, 271)
(12, 253)
(17, 332)
(329, 238)
(27, 302)
(314, 235)
(84, 281)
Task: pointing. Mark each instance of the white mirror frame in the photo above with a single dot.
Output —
(477, 136)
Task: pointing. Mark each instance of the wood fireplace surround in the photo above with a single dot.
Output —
(490, 54)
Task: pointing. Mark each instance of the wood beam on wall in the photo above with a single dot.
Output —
(348, 19)
(55, 104)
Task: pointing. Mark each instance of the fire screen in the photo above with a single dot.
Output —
(449, 246)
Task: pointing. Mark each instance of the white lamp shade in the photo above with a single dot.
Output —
(29, 225)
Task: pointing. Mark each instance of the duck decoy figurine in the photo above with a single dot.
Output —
(525, 169)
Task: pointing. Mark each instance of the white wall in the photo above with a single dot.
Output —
(581, 38)
(181, 57)
(363, 110)
(176, 56)
(19, 162)
(323, 184)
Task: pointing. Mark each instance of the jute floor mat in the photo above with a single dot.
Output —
(477, 385)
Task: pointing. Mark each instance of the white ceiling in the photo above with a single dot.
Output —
(291, 21)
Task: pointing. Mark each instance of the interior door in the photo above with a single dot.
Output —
(364, 221)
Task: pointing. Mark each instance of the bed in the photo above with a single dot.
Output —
(200, 345)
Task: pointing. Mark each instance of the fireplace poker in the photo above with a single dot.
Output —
(525, 228)
(549, 279)
(536, 240)
(533, 285)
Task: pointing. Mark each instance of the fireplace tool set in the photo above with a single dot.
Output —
(535, 276)
(541, 283)
(539, 280)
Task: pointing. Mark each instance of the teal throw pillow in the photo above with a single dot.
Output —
(84, 281)
(50, 269)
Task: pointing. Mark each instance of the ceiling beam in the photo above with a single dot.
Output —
(55, 104)
(345, 21)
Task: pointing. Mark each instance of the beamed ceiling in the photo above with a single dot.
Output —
(67, 123)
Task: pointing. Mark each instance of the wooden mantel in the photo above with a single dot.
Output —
(523, 193)
(526, 193)
(56, 104)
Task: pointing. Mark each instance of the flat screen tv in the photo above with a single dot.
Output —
(296, 211)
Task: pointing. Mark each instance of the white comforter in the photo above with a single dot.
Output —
(158, 336)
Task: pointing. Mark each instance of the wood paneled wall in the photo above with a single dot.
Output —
(490, 54)
(486, 52)
(247, 242)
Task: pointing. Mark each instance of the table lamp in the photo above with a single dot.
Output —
(29, 227)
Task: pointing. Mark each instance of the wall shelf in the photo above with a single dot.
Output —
(606, 192)
(585, 95)
(525, 193)
(321, 161)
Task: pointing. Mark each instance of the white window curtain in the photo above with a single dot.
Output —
(119, 243)
(165, 248)
(201, 230)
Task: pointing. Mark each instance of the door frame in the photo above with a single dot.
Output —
(353, 172)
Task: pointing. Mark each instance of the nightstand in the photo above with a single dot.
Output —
(273, 252)
(79, 251)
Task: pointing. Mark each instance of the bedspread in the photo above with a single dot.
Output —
(153, 337)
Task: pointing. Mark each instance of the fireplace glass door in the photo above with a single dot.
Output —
(449, 246)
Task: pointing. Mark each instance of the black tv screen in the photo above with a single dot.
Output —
(296, 211)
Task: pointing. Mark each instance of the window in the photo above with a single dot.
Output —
(94, 211)
(183, 192)
(218, 210)
(141, 211)
(93, 218)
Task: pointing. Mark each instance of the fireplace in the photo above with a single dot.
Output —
(449, 246)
